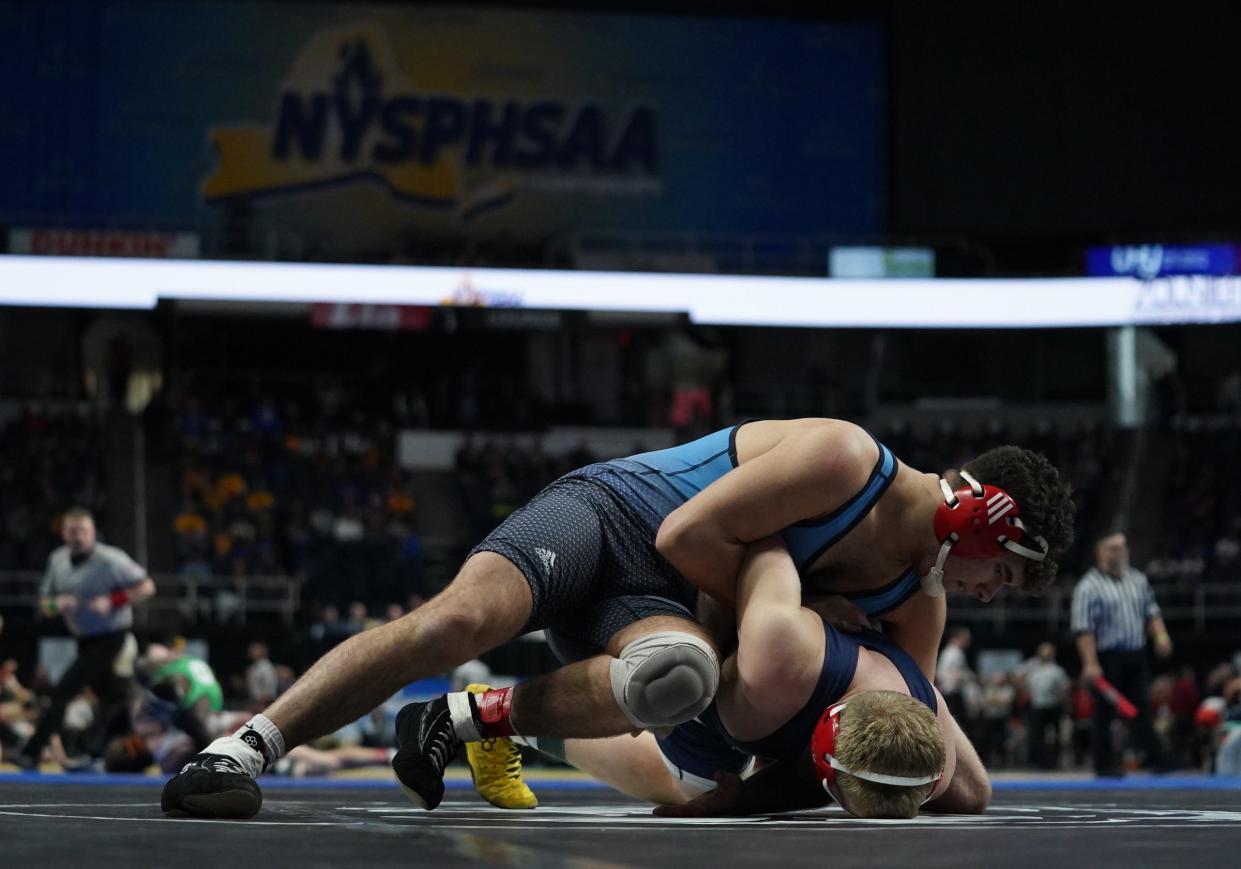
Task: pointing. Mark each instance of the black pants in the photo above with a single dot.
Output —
(92, 668)
(1129, 673)
(1043, 735)
(994, 748)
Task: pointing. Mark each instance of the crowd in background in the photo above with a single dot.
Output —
(1033, 714)
(310, 489)
(92, 728)
(49, 460)
(1200, 538)
(495, 476)
(1086, 453)
(307, 486)
(1027, 715)
(281, 489)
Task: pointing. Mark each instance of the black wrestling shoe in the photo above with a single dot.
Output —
(24, 762)
(212, 786)
(426, 743)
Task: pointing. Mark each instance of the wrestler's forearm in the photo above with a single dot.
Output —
(969, 787)
(768, 581)
(779, 643)
(781, 787)
(706, 559)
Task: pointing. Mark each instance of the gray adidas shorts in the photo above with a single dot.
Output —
(591, 564)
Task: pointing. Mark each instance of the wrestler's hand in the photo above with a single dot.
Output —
(724, 800)
(838, 611)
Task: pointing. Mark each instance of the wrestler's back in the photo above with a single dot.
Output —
(863, 559)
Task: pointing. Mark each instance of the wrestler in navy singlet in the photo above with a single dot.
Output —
(694, 751)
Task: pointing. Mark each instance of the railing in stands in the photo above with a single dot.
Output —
(225, 599)
(188, 599)
(1198, 604)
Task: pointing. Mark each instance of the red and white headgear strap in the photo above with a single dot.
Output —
(978, 521)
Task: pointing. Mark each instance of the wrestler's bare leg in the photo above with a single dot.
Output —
(632, 765)
(487, 604)
(552, 705)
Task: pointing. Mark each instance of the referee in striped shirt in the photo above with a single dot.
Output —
(1114, 610)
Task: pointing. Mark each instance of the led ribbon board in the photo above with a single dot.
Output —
(99, 282)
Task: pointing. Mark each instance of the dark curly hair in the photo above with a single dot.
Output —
(1044, 498)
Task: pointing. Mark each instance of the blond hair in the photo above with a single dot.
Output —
(891, 733)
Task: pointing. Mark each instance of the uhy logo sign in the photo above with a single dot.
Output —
(349, 113)
(1143, 260)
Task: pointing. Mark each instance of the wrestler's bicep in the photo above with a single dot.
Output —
(808, 474)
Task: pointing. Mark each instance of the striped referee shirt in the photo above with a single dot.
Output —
(1115, 610)
(104, 571)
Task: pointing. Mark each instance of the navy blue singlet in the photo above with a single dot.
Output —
(839, 665)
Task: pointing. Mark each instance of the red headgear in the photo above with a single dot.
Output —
(826, 765)
(978, 521)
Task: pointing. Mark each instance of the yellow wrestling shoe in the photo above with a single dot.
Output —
(495, 766)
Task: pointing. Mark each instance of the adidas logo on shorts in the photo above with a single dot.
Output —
(546, 556)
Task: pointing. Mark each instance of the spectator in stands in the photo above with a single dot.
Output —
(1220, 676)
(998, 697)
(190, 529)
(285, 493)
(358, 620)
(1048, 687)
(329, 628)
(953, 671)
(17, 712)
(261, 683)
(266, 420)
(16, 707)
(285, 677)
(1183, 704)
(1226, 554)
(51, 458)
(1113, 611)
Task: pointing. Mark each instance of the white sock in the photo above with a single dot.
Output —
(262, 725)
(462, 714)
(246, 756)
(249, 755)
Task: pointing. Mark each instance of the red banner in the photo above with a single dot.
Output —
(393, 318)
(104, 242)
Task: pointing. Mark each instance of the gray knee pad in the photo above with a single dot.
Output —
(665, 679)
